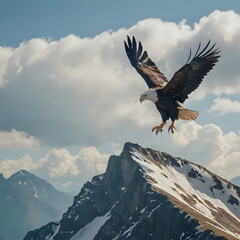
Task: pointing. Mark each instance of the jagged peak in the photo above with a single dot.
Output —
(165, 158)
(24, 175)
(139, 156)
(195, 174)
(21, 173)
(128, 146)
(142, 182)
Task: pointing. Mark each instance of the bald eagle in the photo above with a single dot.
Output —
(168, 95)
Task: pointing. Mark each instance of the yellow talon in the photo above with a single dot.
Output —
(159, 128)
(171, 127)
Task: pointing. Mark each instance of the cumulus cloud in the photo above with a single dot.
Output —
(60, 167)
(206, 144)
(224, 106)
(225, 31)
(84, 91)
(17, 140)
(9, 166)
(227, 166)
(60, 162)
(209, 146)
(92, 160)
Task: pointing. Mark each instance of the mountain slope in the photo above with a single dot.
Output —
(12, 207)
(147, 194)
(27, 202)
(236, 181)
(35, 188)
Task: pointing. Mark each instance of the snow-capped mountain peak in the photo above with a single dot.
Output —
(26, 202)
(147, 194)
(194, 186)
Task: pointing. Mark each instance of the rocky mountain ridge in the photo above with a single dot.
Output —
(147, 194)
(23, 196)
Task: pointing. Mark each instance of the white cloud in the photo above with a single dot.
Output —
(17, 140)
(9, 166)
(93, 160)
(225, 105)
(60, 167)
(206, 145)
(84, 90)
(209, 146)
(60, 162)
(228, 165)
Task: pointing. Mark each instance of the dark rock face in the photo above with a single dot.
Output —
(98, 196)
(195, 174)
(237, 189)
(233, 200)
(218, 184)
(149, 215)
(132, 208)
(43, 232)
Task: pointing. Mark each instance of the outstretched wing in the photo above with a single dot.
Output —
(143, 64)
(189, 77)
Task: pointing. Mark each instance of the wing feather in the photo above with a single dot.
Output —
(143, 64)
(140, 49)
(189, 77)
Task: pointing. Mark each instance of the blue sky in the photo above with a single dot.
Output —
(69, 96)
(23, 20)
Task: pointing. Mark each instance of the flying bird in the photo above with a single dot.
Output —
(168, 95)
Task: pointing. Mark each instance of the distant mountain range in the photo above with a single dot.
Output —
(146, 195)
(28, 202)
(236, 181)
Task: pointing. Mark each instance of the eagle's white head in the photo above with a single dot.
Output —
(150, 95)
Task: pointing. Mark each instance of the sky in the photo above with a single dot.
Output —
(69, 97)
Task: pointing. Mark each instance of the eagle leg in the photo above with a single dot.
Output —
(171, 127)
(159, 128)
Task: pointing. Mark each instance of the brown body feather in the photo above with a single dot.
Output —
(186, 114)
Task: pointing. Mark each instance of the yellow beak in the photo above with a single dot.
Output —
(141, 99)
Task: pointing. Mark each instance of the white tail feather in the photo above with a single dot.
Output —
(186, 114)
